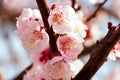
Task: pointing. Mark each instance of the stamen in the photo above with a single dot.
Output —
(30, 18)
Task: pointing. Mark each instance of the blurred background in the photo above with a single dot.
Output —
(13, 57)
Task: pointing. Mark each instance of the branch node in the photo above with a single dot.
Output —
(109, 25)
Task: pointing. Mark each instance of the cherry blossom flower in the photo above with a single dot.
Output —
(62, 19)
(75, 67)
(79, 31)
(48, 65)
(69, 46)
(34, 74)
(28, 18)
(57, 69)
(80, 15)
(30, 27)
(115, 52)
(43, 57)
(34, 41)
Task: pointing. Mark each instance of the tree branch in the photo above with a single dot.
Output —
(20, 76)
(75, 5)
(111, 12)
(99, 54)
(87, 50)
(98, 8)
(42, 5)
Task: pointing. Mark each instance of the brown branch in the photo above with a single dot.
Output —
(75, 5)
(87, 50)
(99, 54)
(42, 5)
(110, 12)
(98, 8)
(20, 76)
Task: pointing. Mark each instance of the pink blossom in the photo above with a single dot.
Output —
(34, 74)
(43, 57)
(79, 31)
(34, 41)
(29, 18)
(80, 15)
(115, 52)
(57, 69)
(16, 6)
(69, 46)
(30, 27)
(76, 66)
(62, 19)
(117, 46)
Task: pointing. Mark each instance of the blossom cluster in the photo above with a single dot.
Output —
(47, 65)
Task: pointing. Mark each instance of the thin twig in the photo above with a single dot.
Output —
(99, 54)
(75, 5)
(43, 7)
(98, 8)
(110, 12)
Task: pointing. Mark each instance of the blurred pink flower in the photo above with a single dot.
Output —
(16, 6)
(115, 52)
(34, 41)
